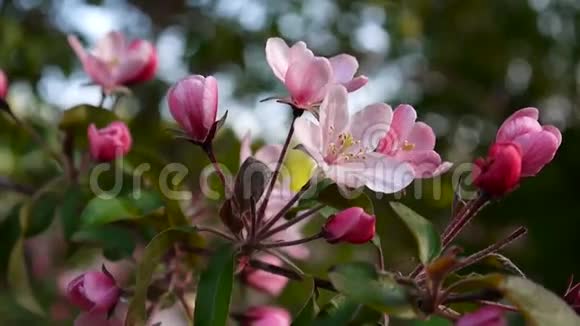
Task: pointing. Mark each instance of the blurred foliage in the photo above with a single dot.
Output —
(465, 65)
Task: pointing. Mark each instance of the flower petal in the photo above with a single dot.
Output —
(333, 115)
(309, 135)
(299, 52)
(422, 137)
(370, 125)
(513, 128)
(404, 118)
(385, 174)
(538, 149)
(272, 284)
(344, 67)
(554, 131)
(277, 56)
(306, 81)
(356, 83)
(100, 289)
(245, 147)
(425, 163)
(111, 48)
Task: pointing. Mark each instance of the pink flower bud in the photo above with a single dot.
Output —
(110, 142)
(3, 84)
(352, 225)
(486, 316)
(500, 172)
(538, 143)
(263, 281)
(94, 291)
(149, 68)
(193, 102)
(266, 316)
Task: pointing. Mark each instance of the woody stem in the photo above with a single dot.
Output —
(291, 243)
(262, 209)
(208, 149)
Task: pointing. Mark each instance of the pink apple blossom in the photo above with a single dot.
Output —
(193, 103)
(538, 143)
(572, 296)
(263, 281)
(307, 76)
(352, 225)
(413, 142)
(109, 143)
(3, 84)
(114, 62)
(500, 172)
(344, 147)
(486, 316)
(266, 316)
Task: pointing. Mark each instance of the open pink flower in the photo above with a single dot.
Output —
(193, 103)
(538, 143)
(3, 84)
(266, 316)
(114, 62)
(307, 76)
(109, 143)
(412, 142)
(344, 147)
(263, 281)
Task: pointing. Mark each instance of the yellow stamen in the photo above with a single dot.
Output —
(407, 146)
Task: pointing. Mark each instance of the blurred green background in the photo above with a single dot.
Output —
(464, 65)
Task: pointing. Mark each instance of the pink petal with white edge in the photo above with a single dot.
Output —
(111, 47)
(554, 131)
(245, 147)
(385, 174)
(269, 154)
(538, 150)
(299, 52)
(306, 81)
(356, 83)
(422, 137)
(404, 118)
(370, 125)
(514, 128)
(426, 163)
(347, 174)
(333, 114)
(309, 135)
(344, 66)
(277, 56)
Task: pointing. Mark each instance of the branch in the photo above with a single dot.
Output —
(290, 274)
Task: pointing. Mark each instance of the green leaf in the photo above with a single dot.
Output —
(500, 263)
(39, 213)
(306, 314)
(72, 205)
(152, 255)
(76, 120)
(19, 281)
(339, 311)
(101, 211)
(361, 283)
(215, 289)
(428, 240)
(117, 242)
(539, 306)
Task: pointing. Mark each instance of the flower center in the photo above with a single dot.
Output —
(345, 149)
(408, 146)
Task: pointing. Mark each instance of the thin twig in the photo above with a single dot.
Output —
(7, 184)
(286, 260)
(291, 243)
(293, 221)
(274, 177)
(216, 232)
(499, 305)
(290, 274)
(185, 306)
(478, 256)
(208, 149)
(284, 209)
